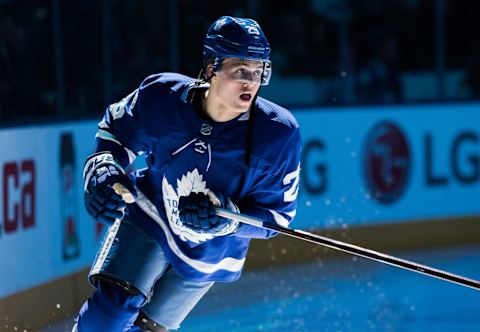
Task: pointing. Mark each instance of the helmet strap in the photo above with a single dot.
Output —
(249, 139)
(203, 78)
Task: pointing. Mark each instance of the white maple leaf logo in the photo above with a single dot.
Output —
(191, 182)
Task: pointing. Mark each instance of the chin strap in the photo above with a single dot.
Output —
(203, 78)
(249, 140)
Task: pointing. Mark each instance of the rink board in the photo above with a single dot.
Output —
(45, 232)
(428, 158)
(425, 162)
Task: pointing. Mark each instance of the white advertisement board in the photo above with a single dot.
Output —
(388, 164)
(44, 231)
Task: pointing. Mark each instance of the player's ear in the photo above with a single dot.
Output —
(209, 70)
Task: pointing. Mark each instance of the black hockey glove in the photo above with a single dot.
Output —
(106, 188)
(197, 212)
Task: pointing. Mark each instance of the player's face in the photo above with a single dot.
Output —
(237, 82)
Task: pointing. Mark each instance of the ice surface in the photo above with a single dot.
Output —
(349, 294)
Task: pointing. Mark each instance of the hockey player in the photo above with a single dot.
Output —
(208, 142)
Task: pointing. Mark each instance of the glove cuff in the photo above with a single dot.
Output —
(233, 225)
(97, 160)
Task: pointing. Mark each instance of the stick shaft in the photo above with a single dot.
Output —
(353, 249)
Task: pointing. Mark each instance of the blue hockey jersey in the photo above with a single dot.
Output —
(186, 152)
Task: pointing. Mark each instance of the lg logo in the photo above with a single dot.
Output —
(18, 196)
(386, 162)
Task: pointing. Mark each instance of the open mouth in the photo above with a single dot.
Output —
(246, 96)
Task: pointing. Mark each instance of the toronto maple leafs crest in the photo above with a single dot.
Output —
(191, 182)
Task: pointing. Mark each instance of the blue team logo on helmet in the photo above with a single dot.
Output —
(232, 37)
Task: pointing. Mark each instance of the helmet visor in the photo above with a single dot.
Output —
(246, 71)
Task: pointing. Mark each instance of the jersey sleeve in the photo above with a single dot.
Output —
(119, 130)
(274, 197)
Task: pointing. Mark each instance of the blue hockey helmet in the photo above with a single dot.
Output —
(242, 38)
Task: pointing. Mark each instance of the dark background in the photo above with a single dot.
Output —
(64, 60)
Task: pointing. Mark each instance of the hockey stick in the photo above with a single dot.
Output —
(352, 249)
